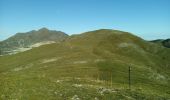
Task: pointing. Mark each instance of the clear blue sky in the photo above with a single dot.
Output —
(149, 19)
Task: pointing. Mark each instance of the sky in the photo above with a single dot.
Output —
(149, 19)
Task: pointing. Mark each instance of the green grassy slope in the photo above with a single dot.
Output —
(90, 66)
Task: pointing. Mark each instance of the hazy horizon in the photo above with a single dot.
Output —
(149, 19)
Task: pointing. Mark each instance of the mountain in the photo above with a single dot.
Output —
(23, 41)
(163, 42)
(166, 43)
(89, 66)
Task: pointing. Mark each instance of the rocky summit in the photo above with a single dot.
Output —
(24, 41)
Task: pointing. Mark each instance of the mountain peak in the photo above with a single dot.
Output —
(43, 29)
(25, 40)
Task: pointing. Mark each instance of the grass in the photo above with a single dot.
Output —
(88, 66)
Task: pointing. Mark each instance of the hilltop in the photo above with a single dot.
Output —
(88, 66)
(24, 41)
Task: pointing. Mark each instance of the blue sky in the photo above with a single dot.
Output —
(149, 19)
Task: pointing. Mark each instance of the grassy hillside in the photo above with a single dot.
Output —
(90, 66)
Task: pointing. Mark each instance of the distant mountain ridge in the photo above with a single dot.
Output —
(163, 42)
(25, 40)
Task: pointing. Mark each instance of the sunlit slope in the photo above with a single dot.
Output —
(88, 66)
